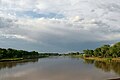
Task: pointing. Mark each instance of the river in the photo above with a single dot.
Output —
(59, 68)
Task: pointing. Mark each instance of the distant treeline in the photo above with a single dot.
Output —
(74, 53)
(51, 54)
(13, 53)
(112, 51)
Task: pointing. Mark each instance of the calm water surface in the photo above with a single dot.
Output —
(59, 68)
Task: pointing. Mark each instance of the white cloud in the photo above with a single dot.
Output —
(17, 36)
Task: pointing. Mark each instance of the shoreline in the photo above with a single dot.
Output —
(11, 59)
(97, 58)
(102, 59)
(20, 59)
(17, 59)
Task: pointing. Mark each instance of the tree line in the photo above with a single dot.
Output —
(13, 53)
(112, 51)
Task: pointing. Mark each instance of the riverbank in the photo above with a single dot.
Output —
(97, 58)
(102, 59)
(114, 79)
(20, 59)
(10, 59)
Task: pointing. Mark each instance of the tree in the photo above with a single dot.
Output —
(97, 52)
(88, 53)
(104, 51)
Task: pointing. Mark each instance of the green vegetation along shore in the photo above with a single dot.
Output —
(102, 59)
(15, 55)
(103, 53)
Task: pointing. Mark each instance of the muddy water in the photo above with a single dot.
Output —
(58, 68)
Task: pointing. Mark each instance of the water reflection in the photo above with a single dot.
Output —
(106, 66)
(15, 63)
(54, 68)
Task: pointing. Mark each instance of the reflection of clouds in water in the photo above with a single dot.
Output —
(57, 69)
(8, 75)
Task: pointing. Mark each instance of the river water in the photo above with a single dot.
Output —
(59, 68)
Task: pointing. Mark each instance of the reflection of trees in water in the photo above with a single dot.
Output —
(106, 66)
(15, 63)
(103, 65)
(89, 61)
(116, 67)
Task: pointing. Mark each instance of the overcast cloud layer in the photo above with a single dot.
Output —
(58, 25)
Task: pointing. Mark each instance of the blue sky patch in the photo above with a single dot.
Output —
(32, 14)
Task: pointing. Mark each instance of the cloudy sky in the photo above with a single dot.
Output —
(58, 25)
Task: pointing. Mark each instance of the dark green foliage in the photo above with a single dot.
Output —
(88, 53)
(104, 51)
(50, 54)
(74, 53)
(12, 53)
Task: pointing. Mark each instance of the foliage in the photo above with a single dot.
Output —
(13, 53)
(106, 51)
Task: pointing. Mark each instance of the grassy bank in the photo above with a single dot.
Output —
(114, 79)
(20, 59)
(10, 59)
(97, 58)
(102, 59)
